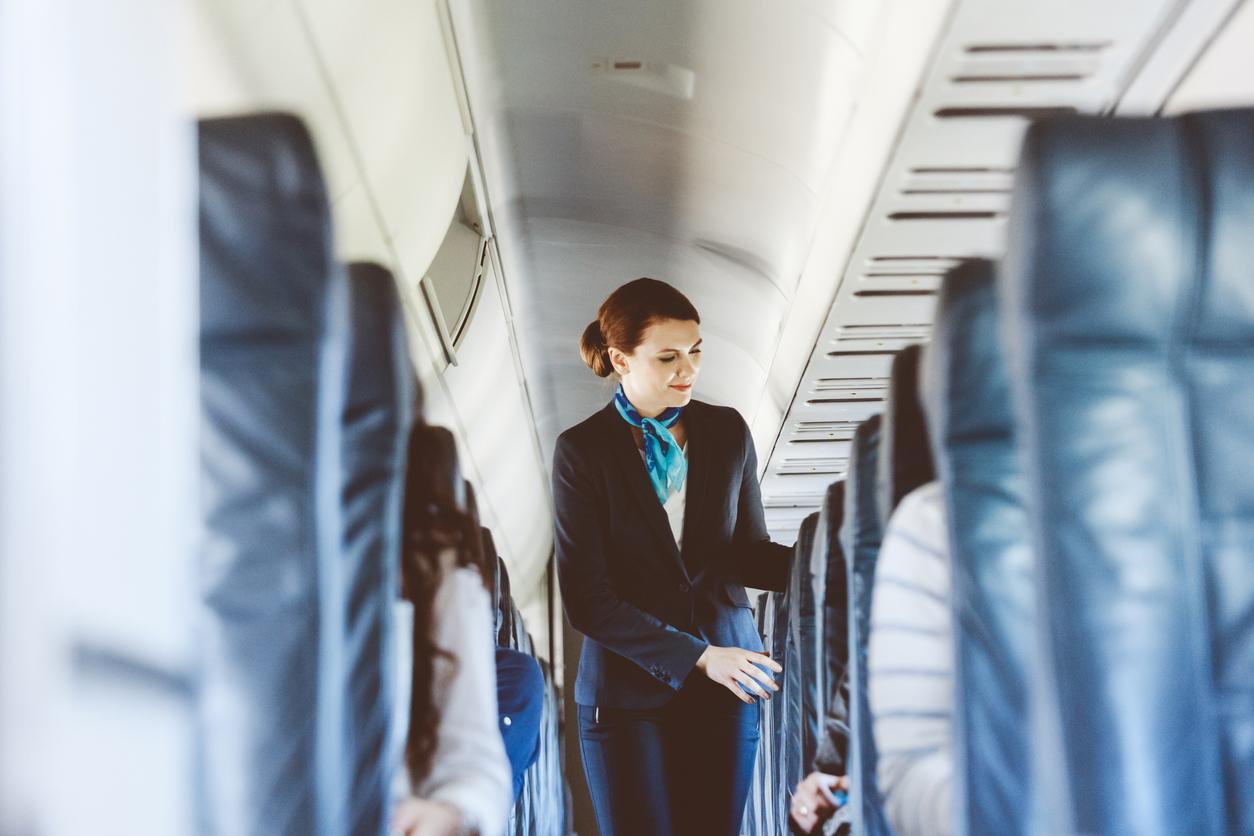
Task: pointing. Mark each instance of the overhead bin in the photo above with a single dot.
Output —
(452, 282)
(1130, 292)
(273, 322)
(861, 534)
(973, 435)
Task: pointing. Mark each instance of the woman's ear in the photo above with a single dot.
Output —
(619, 361)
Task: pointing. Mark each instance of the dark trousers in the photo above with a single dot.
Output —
(679, 770)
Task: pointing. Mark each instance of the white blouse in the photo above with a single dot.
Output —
(469, 769)
(675, 505)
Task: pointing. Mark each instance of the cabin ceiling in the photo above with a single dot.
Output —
(735, 192)
(707, 167)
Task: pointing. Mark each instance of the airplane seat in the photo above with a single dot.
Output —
(861, 533)
(499, 586)
(831, 598)
(755, 806)
(1129, 292)
(542, 806)
(273, 325)
(779, 714)
(966, 392)
(377, 416)
(905, 458)
(801, 727)
(767, 794)
(508, 628)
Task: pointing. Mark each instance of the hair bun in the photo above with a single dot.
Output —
(594, 351)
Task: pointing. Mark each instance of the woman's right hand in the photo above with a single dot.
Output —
(815, 801)
(733, 667)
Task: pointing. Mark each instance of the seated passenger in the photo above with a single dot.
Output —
(520, 699)
(456, 777)
(825, 790)
(911, 667)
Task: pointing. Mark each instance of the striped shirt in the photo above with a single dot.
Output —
(911, 665)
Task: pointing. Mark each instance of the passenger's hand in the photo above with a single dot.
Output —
(731, 665)
(814, 802)
(420, 817)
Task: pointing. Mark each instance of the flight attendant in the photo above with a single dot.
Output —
(659, 528)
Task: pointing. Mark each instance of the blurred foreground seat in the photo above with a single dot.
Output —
(1130, 296)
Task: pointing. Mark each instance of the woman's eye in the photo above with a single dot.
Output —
(695, 351)
(668, 359)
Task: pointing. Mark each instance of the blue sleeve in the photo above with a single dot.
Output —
(760, 563)
(591, 602)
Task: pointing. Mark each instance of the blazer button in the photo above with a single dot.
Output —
(683, 587)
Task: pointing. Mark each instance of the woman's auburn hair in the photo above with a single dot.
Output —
(624, 317)
(434, 520)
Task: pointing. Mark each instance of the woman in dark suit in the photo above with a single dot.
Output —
(659, 527)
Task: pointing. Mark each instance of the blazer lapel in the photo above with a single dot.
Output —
(698, 474)
(628, 457)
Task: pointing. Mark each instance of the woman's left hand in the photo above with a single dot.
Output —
(420, 817)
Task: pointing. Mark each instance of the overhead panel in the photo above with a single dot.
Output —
(945, 194)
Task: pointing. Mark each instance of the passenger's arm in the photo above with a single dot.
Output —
(759, 562)
(910, 669)
(592, 605)
(469, 769)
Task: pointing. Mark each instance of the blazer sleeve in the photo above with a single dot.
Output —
(759, 562)
(591, 603)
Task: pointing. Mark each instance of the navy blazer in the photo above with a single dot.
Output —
(647, 610)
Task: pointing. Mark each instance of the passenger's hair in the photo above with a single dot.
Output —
(626, 315)
(435, 521)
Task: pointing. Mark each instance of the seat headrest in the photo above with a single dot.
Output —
(905, 460)
(1130, 282)
(378, 321)
(861, 528)
(1134, 222)
(964, 381)
(265, 218)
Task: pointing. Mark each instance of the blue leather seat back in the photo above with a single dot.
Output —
(381, 382)
(831, 584)
(861, 536)
(756, 808)
(801, 720)
(969, 410)
(1129, 289)
(779, 647)
(273, 322)
(767, 784)
(905, 458)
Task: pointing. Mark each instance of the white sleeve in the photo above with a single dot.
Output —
(469, 768)
(911, 668)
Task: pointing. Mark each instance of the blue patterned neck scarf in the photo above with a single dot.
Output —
(662, 457)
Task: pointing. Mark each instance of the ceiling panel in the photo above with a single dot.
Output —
(690, 141)
(945, 195)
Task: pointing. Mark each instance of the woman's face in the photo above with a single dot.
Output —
(660, 372)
